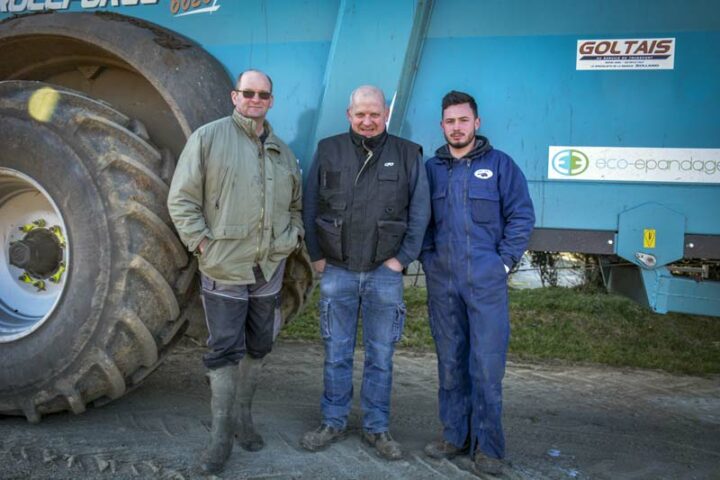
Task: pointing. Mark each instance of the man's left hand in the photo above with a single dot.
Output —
(393, 264)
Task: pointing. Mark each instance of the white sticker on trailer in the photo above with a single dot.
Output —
(618, 164)
(19, 6)
(626, 54)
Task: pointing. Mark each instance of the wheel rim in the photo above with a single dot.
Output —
(34, 255)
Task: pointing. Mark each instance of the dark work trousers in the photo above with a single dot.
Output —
(241, 318)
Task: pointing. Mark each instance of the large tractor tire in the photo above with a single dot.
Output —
(92, 276)
(93, 281)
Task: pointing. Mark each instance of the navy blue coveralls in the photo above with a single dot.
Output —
(482, 218)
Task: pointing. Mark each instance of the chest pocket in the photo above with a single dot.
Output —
(438, 203)
(283, 187)
(484, 204)
(387, 185)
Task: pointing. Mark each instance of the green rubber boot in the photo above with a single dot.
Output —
(223, 384)
(247, 436)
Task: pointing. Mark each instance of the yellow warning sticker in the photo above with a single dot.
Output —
(649, 238)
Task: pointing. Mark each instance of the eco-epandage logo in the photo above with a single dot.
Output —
(634, 164)
(570, 162)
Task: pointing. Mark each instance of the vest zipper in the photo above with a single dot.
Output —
(367, 160)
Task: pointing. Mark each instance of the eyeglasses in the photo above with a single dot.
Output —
(252, 93)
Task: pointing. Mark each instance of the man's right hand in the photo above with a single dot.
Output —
(319, 266)
(201, 246)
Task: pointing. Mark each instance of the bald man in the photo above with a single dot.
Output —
(235, 199)
(366, 208)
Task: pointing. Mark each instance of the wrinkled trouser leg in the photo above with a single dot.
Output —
(226, 310)
(489, 337)
(449, 327)
(383, 313)
(261, 330)
(339, 305)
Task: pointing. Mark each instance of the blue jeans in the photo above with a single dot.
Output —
(343, 294)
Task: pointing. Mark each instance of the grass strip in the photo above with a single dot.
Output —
(572, 325)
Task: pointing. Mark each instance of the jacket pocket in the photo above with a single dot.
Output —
(224, 244)
(329, 233)
(220, 191)
(484, 205)
(285, 237)
(390, 236)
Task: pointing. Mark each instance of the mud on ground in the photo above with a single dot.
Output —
(561, 422)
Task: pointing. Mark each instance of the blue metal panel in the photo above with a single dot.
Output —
(668, 293)
(367, 48)
(652, 230)
(518, 59)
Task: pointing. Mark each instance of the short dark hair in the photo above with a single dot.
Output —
(257, 71)
(453, 97)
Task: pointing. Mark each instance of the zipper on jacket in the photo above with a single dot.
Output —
(367, 160)
(261, 157)
(448, 199)
(222, 187)
(466, 215)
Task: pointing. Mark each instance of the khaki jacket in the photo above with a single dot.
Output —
(245, 197)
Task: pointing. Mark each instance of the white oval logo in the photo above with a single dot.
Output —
(483, 173)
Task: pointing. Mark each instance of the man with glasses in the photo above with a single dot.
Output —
(365, 213)
(235, 200)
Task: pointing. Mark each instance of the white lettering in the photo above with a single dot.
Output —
(57, 4)
(17, 5)
(35, 5)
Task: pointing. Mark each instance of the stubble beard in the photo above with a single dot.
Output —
(461, 144)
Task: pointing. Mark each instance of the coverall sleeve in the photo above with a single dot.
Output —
(309, 211)
(518, 212)
(418, 214)
(428, 244)
(185, 199)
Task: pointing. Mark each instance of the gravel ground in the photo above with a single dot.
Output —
(561, 422)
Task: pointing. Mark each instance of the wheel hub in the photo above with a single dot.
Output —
(34, 255)
(39, 253)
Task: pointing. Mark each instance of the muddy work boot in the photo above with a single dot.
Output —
(440, 449)
(384, 445)
(223, 384)
(245, 433)
(321, 438)
(484, 465)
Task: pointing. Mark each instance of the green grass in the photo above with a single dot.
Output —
(574, 326)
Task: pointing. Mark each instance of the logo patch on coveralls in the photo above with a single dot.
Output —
(483, 173)
(389, 164)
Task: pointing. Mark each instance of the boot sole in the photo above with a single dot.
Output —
(446, 456)
(319, 448)
(374, 447)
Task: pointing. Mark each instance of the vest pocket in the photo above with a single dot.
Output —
(329, 233)
(390, 235)
(484, 205)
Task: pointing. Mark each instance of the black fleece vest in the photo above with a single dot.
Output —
(363, 211)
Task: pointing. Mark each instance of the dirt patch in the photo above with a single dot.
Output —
(561, 422)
